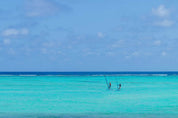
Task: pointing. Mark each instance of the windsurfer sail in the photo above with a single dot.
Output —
(107, 83)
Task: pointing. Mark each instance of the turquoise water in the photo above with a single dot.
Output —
(88, 95)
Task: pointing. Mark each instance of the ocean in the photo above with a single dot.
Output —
(85, 94)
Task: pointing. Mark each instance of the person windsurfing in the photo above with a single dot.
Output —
(119, 86)
(109, 86)
(108, 83)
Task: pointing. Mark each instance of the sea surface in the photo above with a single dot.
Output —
(85, 94)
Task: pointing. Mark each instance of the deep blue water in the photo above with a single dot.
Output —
(92, 73)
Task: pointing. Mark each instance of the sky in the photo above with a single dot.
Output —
(88, 35)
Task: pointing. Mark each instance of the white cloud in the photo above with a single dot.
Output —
(110, 53)
(135, 53)
(6, 41)
(11, 51)
(157, 43)
(59, 52)
(88, 52)
(164, 23)
(161, 11)
(9, 32)
(118, 44)
(163, 53)
(40, 8)
(100, 35)
(91, 53)
(24, 31)
(48, 44)
(44, 51)
(15, 32)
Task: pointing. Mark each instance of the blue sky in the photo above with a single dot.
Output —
(88, 35)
